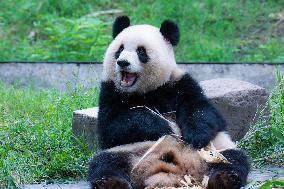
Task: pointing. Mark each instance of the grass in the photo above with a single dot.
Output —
(211, 30)
(270, 184)
(265, 140)
(36, 142)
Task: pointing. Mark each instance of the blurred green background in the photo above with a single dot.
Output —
(76, 30)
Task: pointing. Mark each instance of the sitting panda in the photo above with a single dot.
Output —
(141, 86)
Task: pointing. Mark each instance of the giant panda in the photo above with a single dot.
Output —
(141, 86)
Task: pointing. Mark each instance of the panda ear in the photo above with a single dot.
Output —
(170, 31)
(119, 24)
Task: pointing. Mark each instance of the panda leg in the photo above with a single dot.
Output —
(229, 176)
(110, 170)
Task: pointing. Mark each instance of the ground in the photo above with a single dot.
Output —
(256, 177)
(79, 30)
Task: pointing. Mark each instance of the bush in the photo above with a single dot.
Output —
(211, 30)
(79, 39)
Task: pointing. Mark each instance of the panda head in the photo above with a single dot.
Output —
(141, 58)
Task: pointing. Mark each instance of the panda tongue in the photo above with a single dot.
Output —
(128, 79)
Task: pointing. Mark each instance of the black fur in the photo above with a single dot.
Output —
(119, 24)
(232, 175)
(122, 63)
(110, 169)
(117, 53)
(170, 31)
(119, 123)
(142, 54)
(198, 118)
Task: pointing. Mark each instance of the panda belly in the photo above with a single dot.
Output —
(162, 163)
(166, 162)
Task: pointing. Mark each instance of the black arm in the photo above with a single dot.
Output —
(196, 116)
(108, 168)
(118, 123)
(229, 175)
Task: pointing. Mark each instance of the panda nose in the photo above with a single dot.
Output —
(123, 63)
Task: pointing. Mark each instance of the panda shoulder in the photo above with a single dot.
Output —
(182, 77)
(177, 74)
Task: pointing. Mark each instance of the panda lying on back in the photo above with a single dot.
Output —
(164, 163)
(141, 82)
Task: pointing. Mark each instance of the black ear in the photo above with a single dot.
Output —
(170, 31)
(119, 24)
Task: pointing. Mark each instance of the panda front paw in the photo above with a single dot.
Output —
(197, 141)
(199, 144)
(224, 180)
(111, 183)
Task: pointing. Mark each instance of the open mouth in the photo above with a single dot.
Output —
(128, 79)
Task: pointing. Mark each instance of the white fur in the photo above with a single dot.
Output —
(160, 68)
(132, 58)
(223, 141)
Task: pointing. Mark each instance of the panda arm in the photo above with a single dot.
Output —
(196, 116)
(118, 124)
(106, 168)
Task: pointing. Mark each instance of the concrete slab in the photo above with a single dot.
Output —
(72, 185)
(57, 75)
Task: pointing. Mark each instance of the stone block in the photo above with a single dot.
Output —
(84, 123)
(238, 101)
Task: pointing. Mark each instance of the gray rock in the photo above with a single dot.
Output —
(259, 74)
(238, 101)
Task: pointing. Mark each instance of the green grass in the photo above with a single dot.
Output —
(271, 184)
(36, 142)
(265, 140)
(211, 30)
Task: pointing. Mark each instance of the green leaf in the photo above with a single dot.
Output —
(277, 133)
(266, 185)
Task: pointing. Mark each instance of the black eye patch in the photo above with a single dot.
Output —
(142, 54)
(117, 53)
